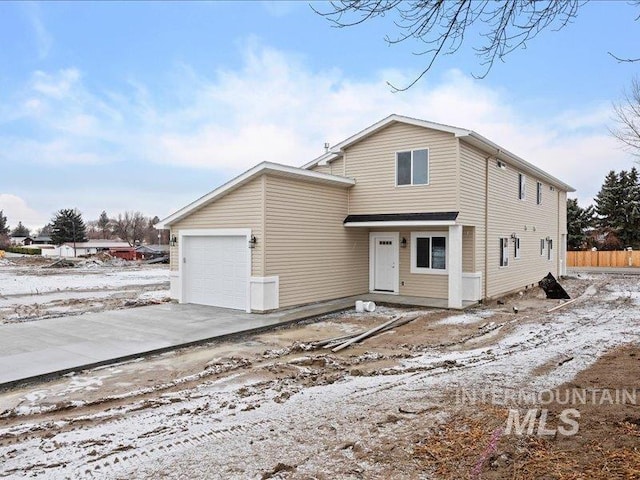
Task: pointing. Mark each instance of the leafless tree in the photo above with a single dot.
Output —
(130, 227)
(627, 117)
(441, 25)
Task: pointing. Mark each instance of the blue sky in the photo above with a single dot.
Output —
(146, 106)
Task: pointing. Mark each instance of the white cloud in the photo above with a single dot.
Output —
(43, 40)
(278, 108)
(17, 210)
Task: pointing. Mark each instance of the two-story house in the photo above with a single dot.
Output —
(405, 207)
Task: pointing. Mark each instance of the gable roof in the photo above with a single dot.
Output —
(260, 169)
(469, 136)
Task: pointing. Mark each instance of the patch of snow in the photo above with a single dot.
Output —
(31, 283)
(466, 318)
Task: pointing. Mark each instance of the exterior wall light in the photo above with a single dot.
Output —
(252, 241)
(403, 242)
(174, 241)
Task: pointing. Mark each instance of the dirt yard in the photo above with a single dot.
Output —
(31, 289)
(430, 399)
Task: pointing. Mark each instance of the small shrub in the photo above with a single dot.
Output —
(24, 250)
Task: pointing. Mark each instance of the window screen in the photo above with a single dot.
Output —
(439, 255)
(420, 167)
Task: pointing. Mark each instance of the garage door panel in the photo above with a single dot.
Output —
(216, 271)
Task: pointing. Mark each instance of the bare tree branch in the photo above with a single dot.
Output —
(627, 117)
(441, 25)
(624, 60)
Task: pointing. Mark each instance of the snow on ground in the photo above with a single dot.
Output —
(235, 426)
(37, 282)
(467, 318)
(29, 290)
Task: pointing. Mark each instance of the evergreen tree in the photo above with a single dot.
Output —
(618, 208)
(630, 233)
(579, 221)
(104, 224)
(609, 204)
(4, 228)
(68, 226)
(20, 231)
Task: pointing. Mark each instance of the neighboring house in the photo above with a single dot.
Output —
(21, 241)
(80, 249)
(404, 207)
(42, 240)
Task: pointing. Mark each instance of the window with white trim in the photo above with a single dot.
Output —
(412, 167)
(542, 247)
(504, 252)
(539, 193)
(428, 252)
(521, 185)
(549, 249)
(516, 247)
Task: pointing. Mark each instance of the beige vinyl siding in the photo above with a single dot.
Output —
(529, 221)
(242, 208)
(472, 203)
(336, 167)
(308, 247)
(322, 168)
(372, 162)
(562, 212)
(468, 249)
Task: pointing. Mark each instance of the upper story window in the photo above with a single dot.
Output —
(521, 185)
(539, 193)
(412, 167)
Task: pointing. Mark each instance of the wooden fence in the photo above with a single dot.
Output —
(603, 259)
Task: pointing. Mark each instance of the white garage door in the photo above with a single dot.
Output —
(215, 271)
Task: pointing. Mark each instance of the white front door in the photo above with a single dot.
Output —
(385, 258)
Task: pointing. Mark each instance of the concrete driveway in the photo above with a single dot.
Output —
(39, 349)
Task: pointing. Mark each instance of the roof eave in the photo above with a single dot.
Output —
(260, 169)
(487, 145)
